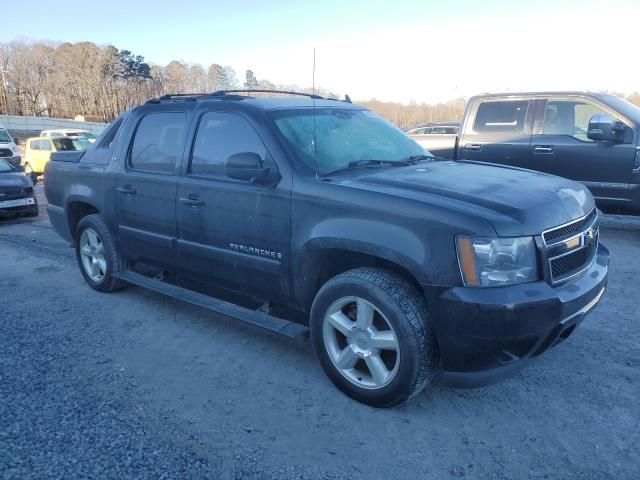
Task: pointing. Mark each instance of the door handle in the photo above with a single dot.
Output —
(542, 149)
(473, 147)
(192, 200)
(127, 190)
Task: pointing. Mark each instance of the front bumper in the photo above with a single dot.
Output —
(19, 209)
(488, 334)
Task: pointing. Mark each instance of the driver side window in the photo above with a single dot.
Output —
(220, 135)
(569, 117)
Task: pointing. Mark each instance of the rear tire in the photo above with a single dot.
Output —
(373, 336)
(97, 255)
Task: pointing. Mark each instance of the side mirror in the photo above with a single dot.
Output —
(247, 166)
(603, 128)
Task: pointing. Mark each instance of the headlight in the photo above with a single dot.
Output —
(487, 262)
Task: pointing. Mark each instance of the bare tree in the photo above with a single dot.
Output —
(99, 82)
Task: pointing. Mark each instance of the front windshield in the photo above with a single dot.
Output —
(71, 144)
(4, 136)
(343, 136)
(5, 167)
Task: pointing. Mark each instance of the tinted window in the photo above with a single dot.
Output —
(219, 136)
(569, 118)
(45, 145)
(498, 117)
(4, 136)
(419, 131)
(109, 133)
(443, 131)
(65, 144)
(158, 142)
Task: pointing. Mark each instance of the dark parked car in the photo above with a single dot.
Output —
(16, 192)
(435, 135)
(328, 220)
(593, 138)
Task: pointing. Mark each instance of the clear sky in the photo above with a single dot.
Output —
(402, 50)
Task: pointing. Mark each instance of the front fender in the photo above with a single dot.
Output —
(390, 243)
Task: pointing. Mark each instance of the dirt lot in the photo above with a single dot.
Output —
(133, 384)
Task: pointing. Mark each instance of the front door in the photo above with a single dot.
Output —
(146, 187)
(500, 133)
(560, 146)
(233, 233)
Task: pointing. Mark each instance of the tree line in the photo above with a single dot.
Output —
(64, 80)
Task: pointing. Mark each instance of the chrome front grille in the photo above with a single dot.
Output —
(569, 229)
(571, 248)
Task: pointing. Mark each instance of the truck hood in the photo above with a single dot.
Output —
(13, 181)
(515, 201)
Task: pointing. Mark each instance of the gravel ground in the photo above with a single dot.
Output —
(134, 384)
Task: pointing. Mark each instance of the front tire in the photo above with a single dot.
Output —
(373, 335)
(97, 255)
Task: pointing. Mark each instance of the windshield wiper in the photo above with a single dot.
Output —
(368, 163)
(413, 159)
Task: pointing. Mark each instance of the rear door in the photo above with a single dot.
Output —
(146, 184)
(234, 233)
(560, 146)
(499, 131)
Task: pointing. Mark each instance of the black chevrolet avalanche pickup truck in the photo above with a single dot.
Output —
(592, 138)
(315, 216)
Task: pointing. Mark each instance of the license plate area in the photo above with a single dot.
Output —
(18, 202)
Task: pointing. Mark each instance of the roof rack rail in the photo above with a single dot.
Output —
(221, 93)
(230, 93)
(170, 96)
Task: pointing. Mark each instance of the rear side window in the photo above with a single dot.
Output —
(501, 116)
(34, 145)
(46, 145)
(105, 139)
(158, 142)
(219, 136)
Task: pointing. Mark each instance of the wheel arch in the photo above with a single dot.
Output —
(77, 209)
(324, 260)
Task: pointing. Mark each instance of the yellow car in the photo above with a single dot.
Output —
(38, 150)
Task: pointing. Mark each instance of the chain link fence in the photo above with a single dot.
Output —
(24, 127)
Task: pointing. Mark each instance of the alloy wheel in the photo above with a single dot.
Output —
(361, 343)
(93, 255)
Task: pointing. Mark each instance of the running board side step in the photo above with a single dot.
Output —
(246, 315)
